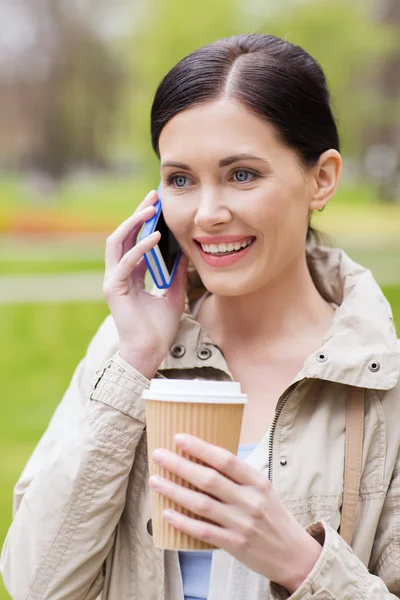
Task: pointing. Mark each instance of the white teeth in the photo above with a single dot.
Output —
(223, 248)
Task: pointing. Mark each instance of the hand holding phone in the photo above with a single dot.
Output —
(162, 260)
(146, 323)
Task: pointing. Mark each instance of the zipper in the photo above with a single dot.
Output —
(278, 411)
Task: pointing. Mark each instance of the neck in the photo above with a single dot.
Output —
(288, 309)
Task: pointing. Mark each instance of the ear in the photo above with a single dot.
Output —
(326, 175)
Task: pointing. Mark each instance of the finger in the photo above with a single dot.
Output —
(149, 200)
(228, 540)
(115, 242)
(200, 504)
(202, 477)
(129, 261)
(221, 459)
(147, 203)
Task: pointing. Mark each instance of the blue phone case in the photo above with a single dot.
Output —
(154, 260)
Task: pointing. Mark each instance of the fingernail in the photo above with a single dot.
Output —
(168, 514)
(181, 439)
(155, 480)
(159, 455)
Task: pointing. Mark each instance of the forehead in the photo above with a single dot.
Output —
(218, 128)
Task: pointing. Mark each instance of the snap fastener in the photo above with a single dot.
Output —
(374, 366)
(321, 357)
(283, 462)
(204, 353)
(149, 527)
(178, 351)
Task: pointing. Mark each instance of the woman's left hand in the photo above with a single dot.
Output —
(251, 522)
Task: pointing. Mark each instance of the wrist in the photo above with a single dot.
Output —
(145, 362)
(302, 564)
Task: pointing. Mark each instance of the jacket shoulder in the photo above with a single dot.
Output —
(390, 405)
(102, 346)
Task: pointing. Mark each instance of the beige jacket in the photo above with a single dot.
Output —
(81, 507)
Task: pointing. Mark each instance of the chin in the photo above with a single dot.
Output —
(229, 284)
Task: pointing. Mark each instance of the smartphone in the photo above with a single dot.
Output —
(162, 260)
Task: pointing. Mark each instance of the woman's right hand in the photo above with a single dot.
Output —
(146, 324)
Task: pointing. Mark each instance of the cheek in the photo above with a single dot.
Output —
(177, 216)
(287, 206)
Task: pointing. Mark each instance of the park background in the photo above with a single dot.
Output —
(76, 84)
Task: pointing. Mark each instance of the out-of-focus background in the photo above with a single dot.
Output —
(76, 84)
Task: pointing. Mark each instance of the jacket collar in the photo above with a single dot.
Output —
(359, 349)
(361, 346)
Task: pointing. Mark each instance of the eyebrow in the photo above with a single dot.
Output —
(224, 162)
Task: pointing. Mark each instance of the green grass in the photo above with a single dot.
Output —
(28, 267)
(44, 343)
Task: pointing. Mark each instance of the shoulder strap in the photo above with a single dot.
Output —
(352, 460)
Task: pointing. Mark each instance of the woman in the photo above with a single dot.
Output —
(248, 148)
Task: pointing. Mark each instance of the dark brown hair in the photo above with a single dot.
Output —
(276, 80)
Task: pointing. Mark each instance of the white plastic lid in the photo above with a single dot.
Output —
(195, 390)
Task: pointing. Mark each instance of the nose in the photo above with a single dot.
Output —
(211, 210)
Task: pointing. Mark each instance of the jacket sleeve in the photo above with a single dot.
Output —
(70, 496)
(339, 574)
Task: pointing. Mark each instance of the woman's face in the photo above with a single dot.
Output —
(226, 177)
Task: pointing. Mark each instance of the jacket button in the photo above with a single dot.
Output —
(178, 351)
(321, 357)
(374, 366)
(149, 527)
(283, 462)
(204, 353)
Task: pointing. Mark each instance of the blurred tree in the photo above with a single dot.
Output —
(347, 41)
(66, 85)
(381, 138)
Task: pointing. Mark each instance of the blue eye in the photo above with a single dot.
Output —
(242, 176)
(179, 180)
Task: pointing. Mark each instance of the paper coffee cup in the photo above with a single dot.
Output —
(210, 410)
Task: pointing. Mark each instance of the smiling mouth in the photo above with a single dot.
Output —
(213, 250)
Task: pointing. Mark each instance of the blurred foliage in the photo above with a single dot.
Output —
(60, 86)
(348, 43)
